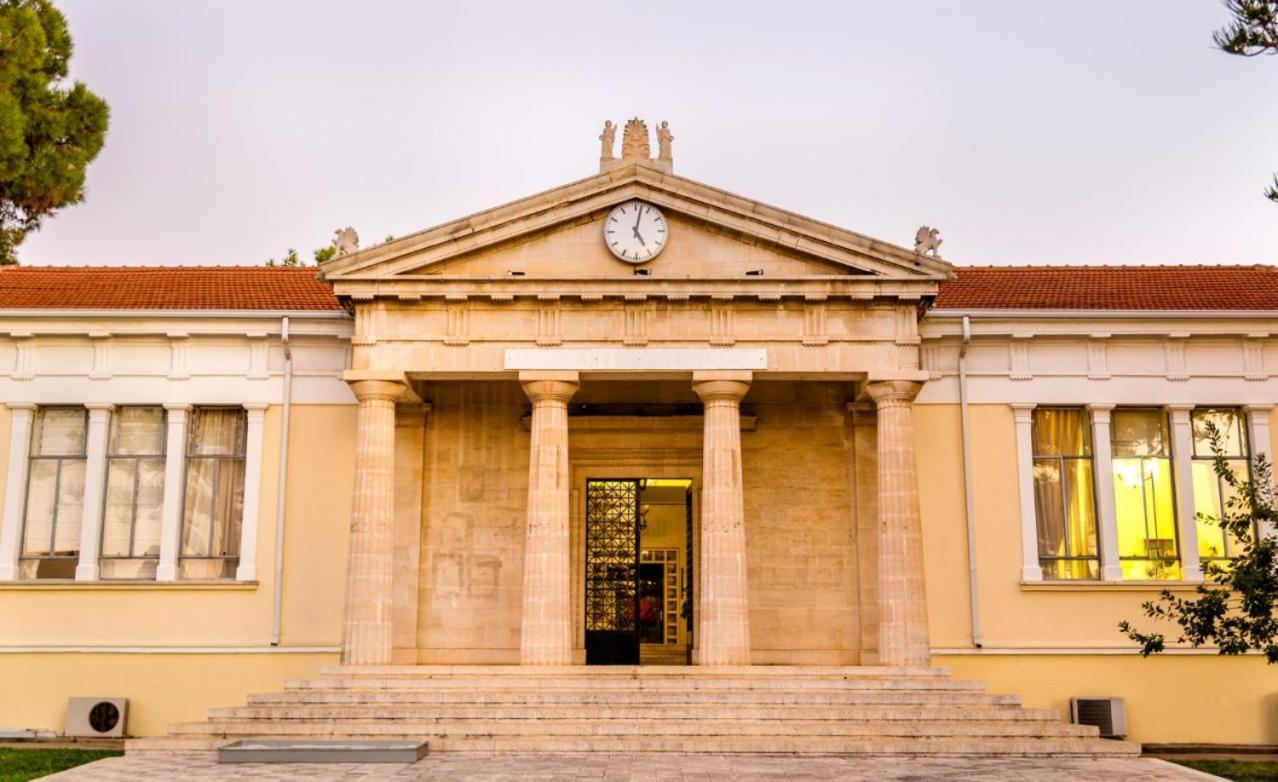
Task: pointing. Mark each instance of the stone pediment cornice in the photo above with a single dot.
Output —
(417, 287)
(760, 223)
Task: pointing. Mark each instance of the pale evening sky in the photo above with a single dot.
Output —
(1093, 131)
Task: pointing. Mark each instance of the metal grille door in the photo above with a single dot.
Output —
(612, 572)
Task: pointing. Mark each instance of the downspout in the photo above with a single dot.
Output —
(969, 509)
(282, 492)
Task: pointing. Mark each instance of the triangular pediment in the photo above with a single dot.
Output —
(558, 234)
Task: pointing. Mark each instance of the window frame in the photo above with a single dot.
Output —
(162, 456)
(33, 456)
(189, 458)
(1169, 446)
(1059, 459)
(1244, 437)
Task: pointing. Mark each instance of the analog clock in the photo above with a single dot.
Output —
(635, 231)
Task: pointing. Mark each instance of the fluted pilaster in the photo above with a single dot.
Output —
(367, 636)
(546, 637)
(723, 626)
(903, 635)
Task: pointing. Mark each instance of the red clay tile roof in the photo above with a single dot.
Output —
(1111, 288)
(164, 288)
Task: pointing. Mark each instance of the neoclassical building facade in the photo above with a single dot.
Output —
(632, 420)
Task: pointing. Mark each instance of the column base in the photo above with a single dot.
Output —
(1112, 573)
(86, 572)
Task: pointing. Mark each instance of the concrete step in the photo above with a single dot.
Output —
(497, 683)
(358, 729)
(770, 745)
(598, 672)
(623, 697)
(573, 711)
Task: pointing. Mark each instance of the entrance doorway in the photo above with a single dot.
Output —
(638, 571)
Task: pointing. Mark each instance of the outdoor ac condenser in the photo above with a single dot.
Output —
(1108, 714)
(102, 718)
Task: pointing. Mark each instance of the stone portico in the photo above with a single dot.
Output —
(503, 360)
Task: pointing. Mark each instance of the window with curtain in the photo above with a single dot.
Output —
(1064, 503)
(1210, 493)
(55, 494)
(1144, 499)
(134, 497)
(213, 503)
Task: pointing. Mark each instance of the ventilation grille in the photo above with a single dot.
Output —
(96, 717)
(1109, 715)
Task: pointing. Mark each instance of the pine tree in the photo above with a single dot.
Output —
(1253, 31)
(49, 132)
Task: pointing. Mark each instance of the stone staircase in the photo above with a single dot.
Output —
(624, 709)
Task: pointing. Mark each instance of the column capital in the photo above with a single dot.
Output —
(549, 387)
(885, 392)
(21, 406)
(101, 409)
(721, 386)
(1100, 412)
(369, 389)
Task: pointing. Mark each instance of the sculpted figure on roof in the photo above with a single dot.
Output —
(345, 241)
(634, 141)
(928, 240)
(607, 136)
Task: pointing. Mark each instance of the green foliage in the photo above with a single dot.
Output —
(290, 259)
(49, 132)
(1235, 610)
(1236, 770)
(324, 253)
(20, 765)
(1252, 31)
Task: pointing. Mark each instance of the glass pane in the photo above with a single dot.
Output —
(66, 529)
(134, 569)
(39, 529)
(1139, 433)
(117, 516)
(60, 432)
(191, 569)
(217, 432)
(150, 506)
(1210, 494)
(1230, 423)
(197, 507)
(1063, 569)
(137, 431)
(1061, 432)
(229, 508)
(1080, 508)
(1049, 506)
(1145, 510)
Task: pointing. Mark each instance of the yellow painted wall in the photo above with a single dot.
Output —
(162, 688)
(192, 614)
(1171, 698)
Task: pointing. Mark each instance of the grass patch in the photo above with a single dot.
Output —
(19, 765)
(1237, 770)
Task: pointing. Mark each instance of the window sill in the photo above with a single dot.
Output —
(1108, 586)
(58, 585)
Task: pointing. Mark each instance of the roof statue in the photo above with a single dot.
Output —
(607, 136)
(664, 137)
(345, 242)
(635, 146)
(928, 240)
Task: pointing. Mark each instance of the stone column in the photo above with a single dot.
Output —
(1106, 514)
(95, 469)
(1182, 450)
(546, 631)
(367, 633)
(903, 636)
(21, 418)
(723, 625)
(176, 415)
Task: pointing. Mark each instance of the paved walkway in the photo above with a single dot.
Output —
(647, 768)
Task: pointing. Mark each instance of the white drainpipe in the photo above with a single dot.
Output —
(968, 503)
(278, 605)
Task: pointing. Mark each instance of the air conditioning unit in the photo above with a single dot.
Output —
(1108, 714)
(102, 718)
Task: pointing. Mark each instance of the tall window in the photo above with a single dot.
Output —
(1209, 491)
(1144, 500)
(1063, 496)
(213, 507)
(55, 494)
(134, 494)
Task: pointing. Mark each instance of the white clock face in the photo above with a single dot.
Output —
(635, 231)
